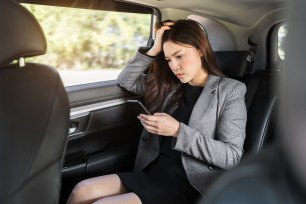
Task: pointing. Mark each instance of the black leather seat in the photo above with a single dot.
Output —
(266, 178)
(261, 101)
(260, 97)
(276, 175)
(34, 113)
(234, 64)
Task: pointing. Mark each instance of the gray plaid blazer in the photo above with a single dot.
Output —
(213, 139)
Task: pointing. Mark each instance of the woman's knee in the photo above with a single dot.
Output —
(81, 191)
(95, 188)
(127, 198)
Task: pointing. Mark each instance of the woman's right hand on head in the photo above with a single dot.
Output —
(157, 47)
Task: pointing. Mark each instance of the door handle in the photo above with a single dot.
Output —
(73, 127)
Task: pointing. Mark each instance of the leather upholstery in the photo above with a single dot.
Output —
(234, 64)
(260, 96)
(21, 35)
(264, 179)
(261, 101)
(34, 116)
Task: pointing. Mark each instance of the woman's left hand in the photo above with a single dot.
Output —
(160, 123)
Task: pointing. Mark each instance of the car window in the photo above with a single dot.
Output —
(282, 33)
(88, 46)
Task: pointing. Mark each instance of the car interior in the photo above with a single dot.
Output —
(103, 132)
(34, 112)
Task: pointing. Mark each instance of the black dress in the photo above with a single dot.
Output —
(164, 180)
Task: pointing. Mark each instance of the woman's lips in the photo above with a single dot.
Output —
(179, 75)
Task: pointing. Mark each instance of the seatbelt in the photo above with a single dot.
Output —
(251, 56)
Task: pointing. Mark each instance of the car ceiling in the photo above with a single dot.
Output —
(240, 12)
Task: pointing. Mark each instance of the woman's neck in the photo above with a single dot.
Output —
(200, 80)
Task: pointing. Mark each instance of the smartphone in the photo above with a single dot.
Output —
(138, 107)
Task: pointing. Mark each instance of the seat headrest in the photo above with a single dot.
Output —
(234, 64)
(20, 35)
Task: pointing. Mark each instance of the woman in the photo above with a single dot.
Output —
(196, 131)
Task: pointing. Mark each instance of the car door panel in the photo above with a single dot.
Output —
(103, 135)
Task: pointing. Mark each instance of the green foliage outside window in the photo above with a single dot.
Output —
(83, 39)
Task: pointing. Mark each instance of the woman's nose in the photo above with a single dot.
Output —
(175, 66)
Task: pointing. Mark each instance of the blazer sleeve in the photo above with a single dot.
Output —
(132, 77)
(226, 149)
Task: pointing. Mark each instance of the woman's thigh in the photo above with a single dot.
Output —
(108, 185)
(92, 189)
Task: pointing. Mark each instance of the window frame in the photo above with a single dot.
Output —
(274, 60)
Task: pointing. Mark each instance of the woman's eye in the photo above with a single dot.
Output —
(179, 56)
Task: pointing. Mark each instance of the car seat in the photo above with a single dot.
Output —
(34, 112)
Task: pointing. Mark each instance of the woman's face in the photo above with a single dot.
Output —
(185, 62)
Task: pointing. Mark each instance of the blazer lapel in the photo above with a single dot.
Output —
(205, 100)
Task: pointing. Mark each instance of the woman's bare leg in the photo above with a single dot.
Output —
(93, 189)
(127, 198)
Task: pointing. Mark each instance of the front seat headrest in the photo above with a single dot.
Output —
(21, 34)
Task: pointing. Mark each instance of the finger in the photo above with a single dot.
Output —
(149, 123)
(149, 117)
(161, 30)
(148, 128)
(160, 114)
(143, 116)
(151, 130)
(168, 23)
(165, 27)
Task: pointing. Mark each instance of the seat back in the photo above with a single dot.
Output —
(34, 113)
(260, 96)
(262, 109)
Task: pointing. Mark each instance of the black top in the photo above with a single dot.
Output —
(182, 114)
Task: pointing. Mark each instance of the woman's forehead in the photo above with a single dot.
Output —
(170, 47)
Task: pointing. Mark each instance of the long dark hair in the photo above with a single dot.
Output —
(161, 81)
